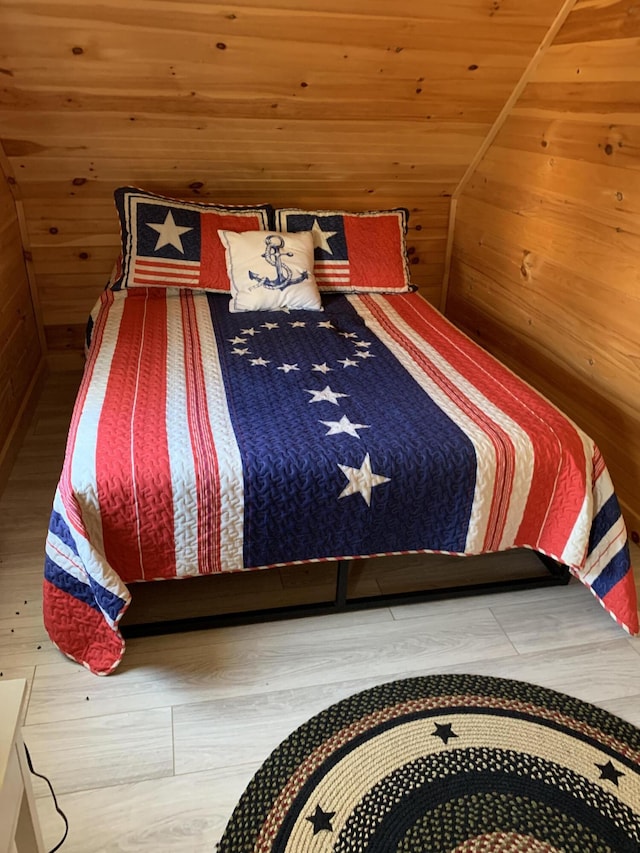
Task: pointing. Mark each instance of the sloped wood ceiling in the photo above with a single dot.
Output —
(546, 269)
(341, 103)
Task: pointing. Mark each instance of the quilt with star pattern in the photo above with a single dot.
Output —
(204, 441)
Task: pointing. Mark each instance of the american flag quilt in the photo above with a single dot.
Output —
(204, 441)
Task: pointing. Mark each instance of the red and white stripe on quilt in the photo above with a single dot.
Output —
(142, 528)
(515, 502)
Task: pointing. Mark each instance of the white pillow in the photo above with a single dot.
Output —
(269, 270)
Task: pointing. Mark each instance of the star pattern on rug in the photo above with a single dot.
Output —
(491, 791)
(321, 820)
(444, 731)
(322, 368)
(259, 362)
(361, 480)
(609, 772)
(287, 368)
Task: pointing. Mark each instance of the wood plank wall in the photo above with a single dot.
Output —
(546, 257)
(20, 351)
(328, 103)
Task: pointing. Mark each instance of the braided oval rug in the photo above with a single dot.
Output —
(447, 763)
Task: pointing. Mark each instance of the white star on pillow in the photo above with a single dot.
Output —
(321, 238)
(169, 234)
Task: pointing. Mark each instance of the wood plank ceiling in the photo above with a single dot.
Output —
(328, 103)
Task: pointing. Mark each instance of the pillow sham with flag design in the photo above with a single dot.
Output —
(171, 243)
(354, 252)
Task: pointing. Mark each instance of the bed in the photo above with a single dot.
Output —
(355, 423)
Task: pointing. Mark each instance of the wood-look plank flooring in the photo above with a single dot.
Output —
(154, 757)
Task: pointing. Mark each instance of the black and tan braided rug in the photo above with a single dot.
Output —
(447, 763)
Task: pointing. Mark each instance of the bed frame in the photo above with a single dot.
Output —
(556, 575)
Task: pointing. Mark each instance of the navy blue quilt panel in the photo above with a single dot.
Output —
(343, 453)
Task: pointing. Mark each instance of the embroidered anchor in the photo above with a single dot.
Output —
(273, 256)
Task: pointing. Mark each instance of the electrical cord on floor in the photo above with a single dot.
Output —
(55, 802)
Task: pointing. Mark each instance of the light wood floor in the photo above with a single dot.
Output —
(154, 757)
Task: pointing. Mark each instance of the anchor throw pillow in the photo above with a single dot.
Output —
(354, 252)
(171, 243)
(270, 271)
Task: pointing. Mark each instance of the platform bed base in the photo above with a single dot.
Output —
(557, 575)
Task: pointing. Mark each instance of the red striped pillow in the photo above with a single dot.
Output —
(354, 252)
(171, 243)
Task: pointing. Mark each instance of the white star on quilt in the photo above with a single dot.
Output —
(285, 309)
(321, 238)
(322, 368)
(364, 354)
(297, 324)
(236, 340)
(326, 394)
(347, 362)
(259, 362)
(240, 351)
(251, 332)
(269, 326)
(325, 324)
(286, 368)
(361, 480)
(362, 343)
(348, 334)
(169, 233)
(344, 425)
